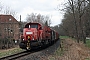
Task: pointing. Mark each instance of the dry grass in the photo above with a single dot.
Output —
(9, 51)
(72, 51)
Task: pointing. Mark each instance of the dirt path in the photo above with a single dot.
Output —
(74, 51)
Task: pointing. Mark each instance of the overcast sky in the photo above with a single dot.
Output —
(44, 7)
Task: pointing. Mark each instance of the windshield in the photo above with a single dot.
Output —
(33, 26)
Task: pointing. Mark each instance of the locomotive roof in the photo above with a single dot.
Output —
(32, 23)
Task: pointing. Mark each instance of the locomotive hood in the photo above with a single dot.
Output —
(30, 33)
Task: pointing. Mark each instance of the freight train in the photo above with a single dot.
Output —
(34, 34)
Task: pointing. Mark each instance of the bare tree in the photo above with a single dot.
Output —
(47, 18)
(77, 10)
(1, 7)
(87, 18)
(31, 17)
(81, 8)
(38, 18)
(9, 11)
(71, 8)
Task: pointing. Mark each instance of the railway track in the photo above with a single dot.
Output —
(20, 54)
(16, 56)
(24, 53)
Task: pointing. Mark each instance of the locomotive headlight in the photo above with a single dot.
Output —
(33, 39)
(23, 39)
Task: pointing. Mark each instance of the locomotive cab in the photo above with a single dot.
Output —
(33, 30)
(32, 34)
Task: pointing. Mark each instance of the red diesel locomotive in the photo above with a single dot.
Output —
(36, 35)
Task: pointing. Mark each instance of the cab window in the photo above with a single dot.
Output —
(34, 26)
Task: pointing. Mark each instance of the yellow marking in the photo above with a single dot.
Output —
(28, 44)
(28, 37)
